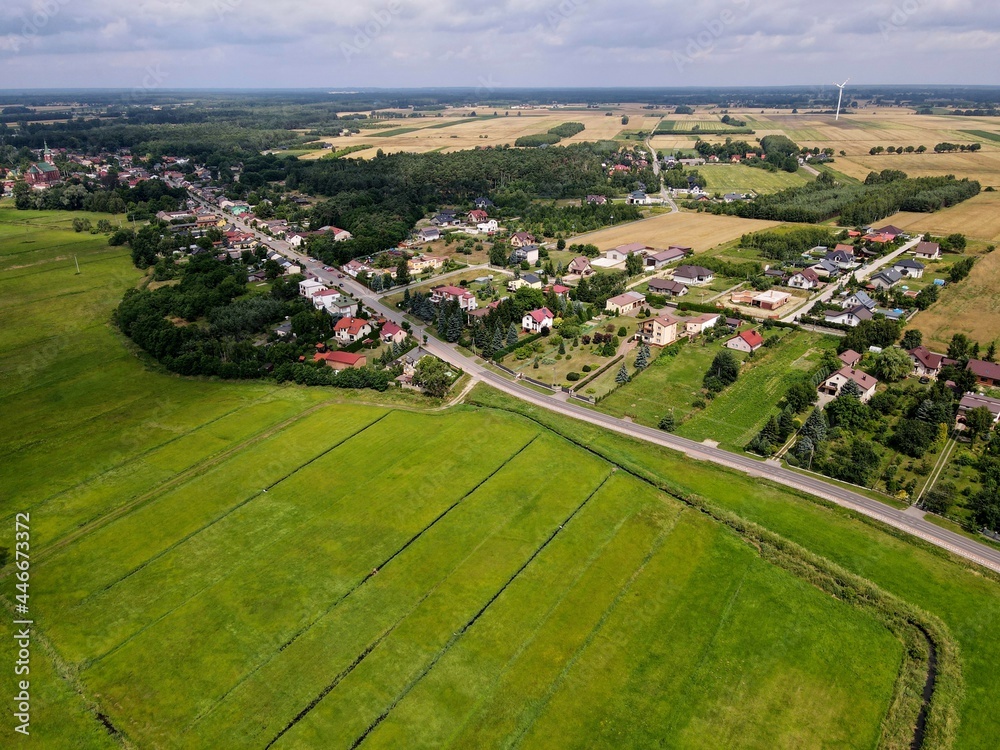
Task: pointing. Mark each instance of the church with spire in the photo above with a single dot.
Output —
(44, 173)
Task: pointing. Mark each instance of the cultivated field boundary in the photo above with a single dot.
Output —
(923, 712)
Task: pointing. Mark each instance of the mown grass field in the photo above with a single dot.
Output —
(737, 178)
(235, 565)
(738, 413)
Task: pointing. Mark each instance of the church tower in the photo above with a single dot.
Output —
(48, 155)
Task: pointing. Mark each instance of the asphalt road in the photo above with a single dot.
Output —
(911, 521)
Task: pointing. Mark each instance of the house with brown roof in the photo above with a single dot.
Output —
(466, 300)
(747, 341)
(972, 401)
(667, 287)
(625, 304)
(927, 251)
(849, 358)
(661, 330)
(891, 231)
(392, 334)
(987, 373)
(807, 278)
(700, 323)
(693, 275)
(580, 267)
(660, 258)
(520, 239)
(841, 377)
(926, 363)
(341, 360)
(349, 330)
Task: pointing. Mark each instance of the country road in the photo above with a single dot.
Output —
(910, 520)
(664, 193)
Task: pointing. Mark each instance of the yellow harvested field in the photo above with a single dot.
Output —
(699, 231)
(977, 218)
(983, 166)
(454, 133)
(971, 307)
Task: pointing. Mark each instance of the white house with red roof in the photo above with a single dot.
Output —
(747, 341)
(466, 300)
(477, 215)
(349, 330)
(392, 334)
(536, 320)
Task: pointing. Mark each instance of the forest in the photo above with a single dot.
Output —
(380, 200)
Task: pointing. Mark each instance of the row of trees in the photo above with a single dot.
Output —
(857, 205)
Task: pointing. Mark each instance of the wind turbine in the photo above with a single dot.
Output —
(840, 99)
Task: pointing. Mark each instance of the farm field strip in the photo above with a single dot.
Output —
(529, 641)
(507, 527)
(150, 469)
(263, 527)
(956, 591)
(699, 231)
(524, 549)
(110, 551)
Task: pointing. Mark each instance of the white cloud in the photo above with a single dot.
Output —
(520, 42)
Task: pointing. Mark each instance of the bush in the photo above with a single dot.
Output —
(587, 368)
(572, 376)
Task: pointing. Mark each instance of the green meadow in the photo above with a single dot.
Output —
(249, 565)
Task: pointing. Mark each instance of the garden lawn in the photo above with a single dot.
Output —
(738, 413)
(739, 178)
(670, 383)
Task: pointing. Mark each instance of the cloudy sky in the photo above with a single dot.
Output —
(502, 43)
